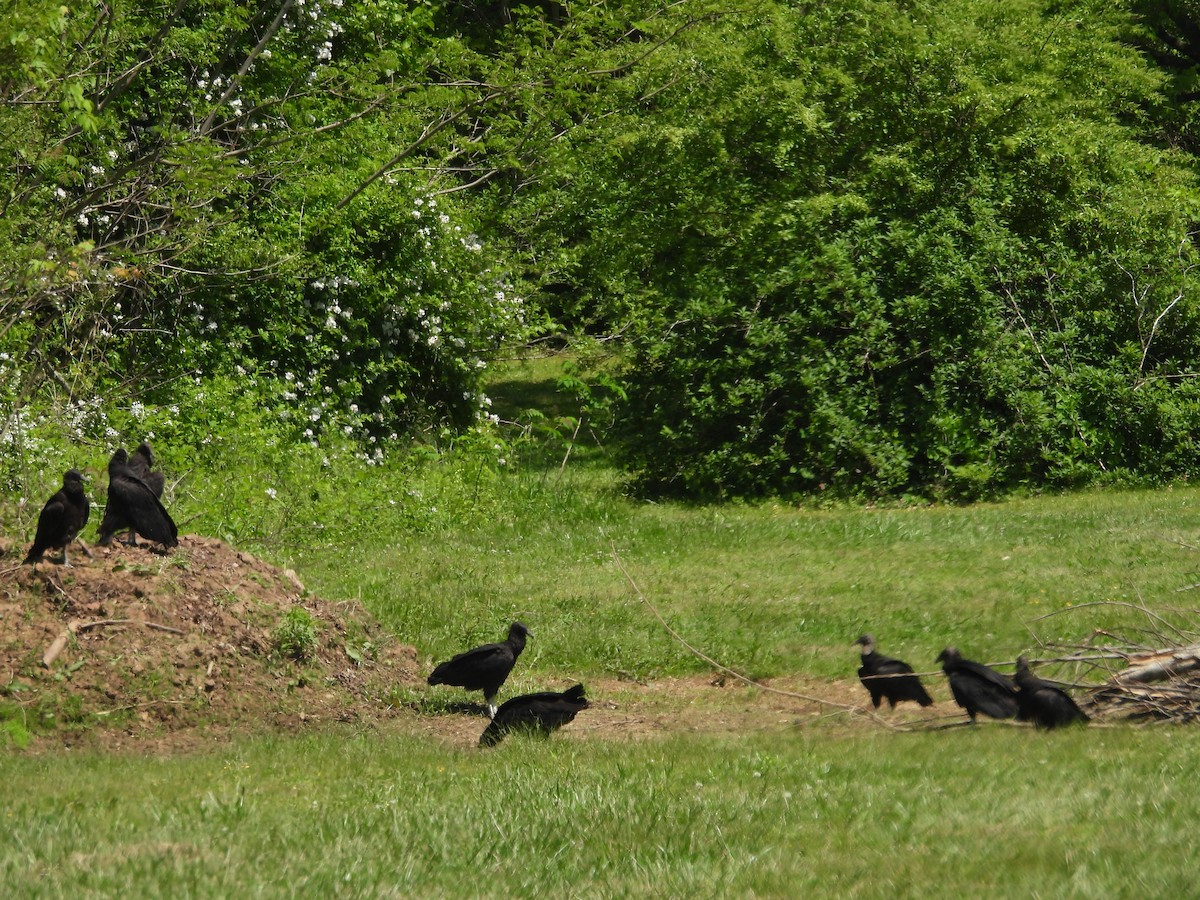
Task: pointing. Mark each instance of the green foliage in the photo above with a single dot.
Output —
(1168, 32)
(873, 250)
(14, 724)
(210, 188)
(295, 636)
(241, 465)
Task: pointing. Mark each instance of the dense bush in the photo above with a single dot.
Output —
(884, 248)
(213, 189)
(875, 247)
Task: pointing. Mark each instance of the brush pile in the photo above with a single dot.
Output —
(1150, 674)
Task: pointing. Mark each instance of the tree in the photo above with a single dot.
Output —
(1168, 32)
(206, 185)
(884, 247)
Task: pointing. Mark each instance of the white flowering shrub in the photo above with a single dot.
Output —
(384, 326)
(219, 203)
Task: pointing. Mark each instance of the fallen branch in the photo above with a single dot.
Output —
(100, 623)
(75, 626)
(821, 703)
(116, 709)
(55, 648)
(1161, 666)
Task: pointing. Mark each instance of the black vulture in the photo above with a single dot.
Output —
(61, 519)
(1042, 703)
(894, 679)
(483, 668)
(141, 464)
(976, 688)
(132, 504)
(541, 713)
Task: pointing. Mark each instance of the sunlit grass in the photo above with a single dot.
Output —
(995, 811)
(775, 590)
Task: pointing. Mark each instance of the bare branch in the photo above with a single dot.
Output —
(236, 81)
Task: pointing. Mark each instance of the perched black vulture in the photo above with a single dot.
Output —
(894, 679)
(541, 713)
(132, 504)
(483, 668)
(1042, 703)
(61, 519)
(976, 688)
(141, 464)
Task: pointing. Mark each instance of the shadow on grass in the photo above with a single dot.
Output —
(437, 706)
(513, 398)
(529, 396)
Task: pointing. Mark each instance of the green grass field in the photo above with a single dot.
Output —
(995, 812)
(833, 808)
(771, 590)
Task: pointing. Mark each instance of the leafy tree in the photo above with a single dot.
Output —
(207, 186)
(887, 247)
(1168, 32)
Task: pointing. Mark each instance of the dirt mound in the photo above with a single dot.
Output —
(199, 639)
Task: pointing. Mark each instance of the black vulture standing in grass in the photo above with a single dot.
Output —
(1042, 703)
(538, 713)
(976, 688)
(894, 679)
(61, 519)
(483, 668)
(132, 504)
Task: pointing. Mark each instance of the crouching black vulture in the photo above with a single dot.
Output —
(141, 465)
(132, 504)
(539, 713)
(1042, 703)
(61, 519)
(483, 668)
(976, 688)
(894, 679)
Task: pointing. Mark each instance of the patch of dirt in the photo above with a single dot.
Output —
(142, 650)
(700, 704)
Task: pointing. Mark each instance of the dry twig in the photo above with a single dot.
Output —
(820, 702)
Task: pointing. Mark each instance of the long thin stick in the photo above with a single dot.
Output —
(100, 623)
(74, 627)
(723, 668)
(1139, 607)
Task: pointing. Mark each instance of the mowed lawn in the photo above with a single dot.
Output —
(990, 812)
(835, 807)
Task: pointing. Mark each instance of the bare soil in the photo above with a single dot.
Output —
(139, 649)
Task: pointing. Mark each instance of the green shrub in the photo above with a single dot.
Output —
(295, 637)
(875, 248)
